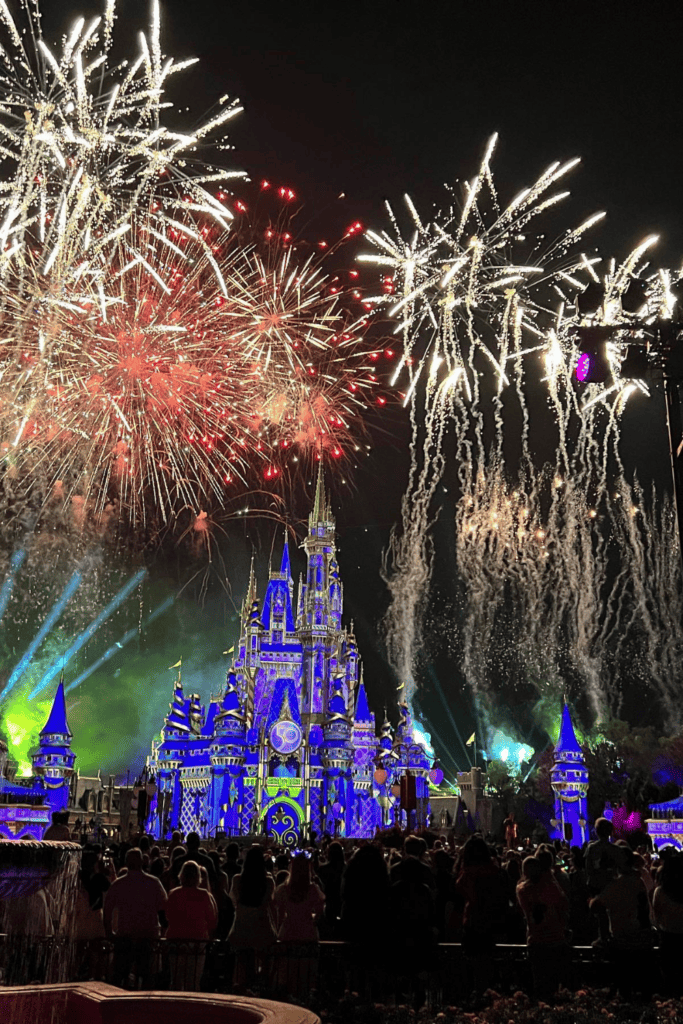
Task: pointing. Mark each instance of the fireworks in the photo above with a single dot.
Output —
(84, 144)
(488, 313)
(148, 362)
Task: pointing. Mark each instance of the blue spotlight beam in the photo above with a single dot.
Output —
(54, 614)
(8, 586)
(115, 648)
(79, 642)
(440, 692)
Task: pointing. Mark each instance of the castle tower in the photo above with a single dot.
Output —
(321, 609)
(569, 779)
(228, 751)
(54, 760)
(337, 758)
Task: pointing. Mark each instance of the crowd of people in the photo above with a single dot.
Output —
(421, 890)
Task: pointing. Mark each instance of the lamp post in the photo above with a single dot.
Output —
(662, 338)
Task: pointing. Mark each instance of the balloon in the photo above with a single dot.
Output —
(380, 776)
(435, 776)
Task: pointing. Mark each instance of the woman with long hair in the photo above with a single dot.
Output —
(298, 904)
(252, 931)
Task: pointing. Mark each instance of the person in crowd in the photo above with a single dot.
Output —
(581, 921)
(59, 830)
(330, 872)
(602, 857)
(623, 911)
(364, 896)
(413, 918)
(414, 846)
(131, 916)
(169, 878)
(253, 931)
(546, 910)
(667, 915)
(195, 853)
(157, 864)
(232, 861)
(298, 905)
(481, 885)
(192, 916)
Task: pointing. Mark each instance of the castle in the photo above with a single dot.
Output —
(569, 780)
(291, 745)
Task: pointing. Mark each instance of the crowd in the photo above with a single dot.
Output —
(392, 904)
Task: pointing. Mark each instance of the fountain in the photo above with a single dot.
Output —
(38, 887)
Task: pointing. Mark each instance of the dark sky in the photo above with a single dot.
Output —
(380, 98)
(377, 99)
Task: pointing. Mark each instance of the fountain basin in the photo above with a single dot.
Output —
(27, 865)
(93, 1002)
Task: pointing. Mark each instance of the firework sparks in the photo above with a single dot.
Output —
(488, 313)
(84, 143)
(158, 380)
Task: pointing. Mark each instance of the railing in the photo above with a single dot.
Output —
(316, 975)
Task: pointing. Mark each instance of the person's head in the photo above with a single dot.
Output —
(576, 858)
(335, 855)
(670, 877)
(192, 841)
(412, 871)
(134, 859)
(189, 876)
(532, 870)
(282, 862)
(442, 861)
(253, 881)
(475, 852)
(625, 864)
(178, 853)
(144, 844)
(415, 846)
(299, 877)
(603, 828)
(232, 852)
(545, 857)
(282, 877)
(176, 838)
(155, 853)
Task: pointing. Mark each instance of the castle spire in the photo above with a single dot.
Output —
(285, 565)
(319, 513)
(363, 713)
(57, 723)
(567, 740)
(250, 596)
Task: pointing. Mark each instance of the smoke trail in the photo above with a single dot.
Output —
(116, 647)
(558, 584)
(88, 633)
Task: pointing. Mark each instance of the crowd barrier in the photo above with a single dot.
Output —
(316, 975)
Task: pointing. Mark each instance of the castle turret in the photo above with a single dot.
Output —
(54, 760)
(319, 619)
(569, 779)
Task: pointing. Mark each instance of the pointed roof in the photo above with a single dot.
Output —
(567, 740)
(363, 713)
(57, 723)
(285, 565)
(320, 503)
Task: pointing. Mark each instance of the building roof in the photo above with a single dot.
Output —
(669, 805)
(567, 740)
(363, 713)
(57, 722)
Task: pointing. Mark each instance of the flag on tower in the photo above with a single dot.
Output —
(178, 664)
(470, 740)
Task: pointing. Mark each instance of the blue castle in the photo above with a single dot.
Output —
(26, 805)
(569, 779)
(291, 744)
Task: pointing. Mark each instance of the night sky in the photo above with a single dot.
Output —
(372, 101)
